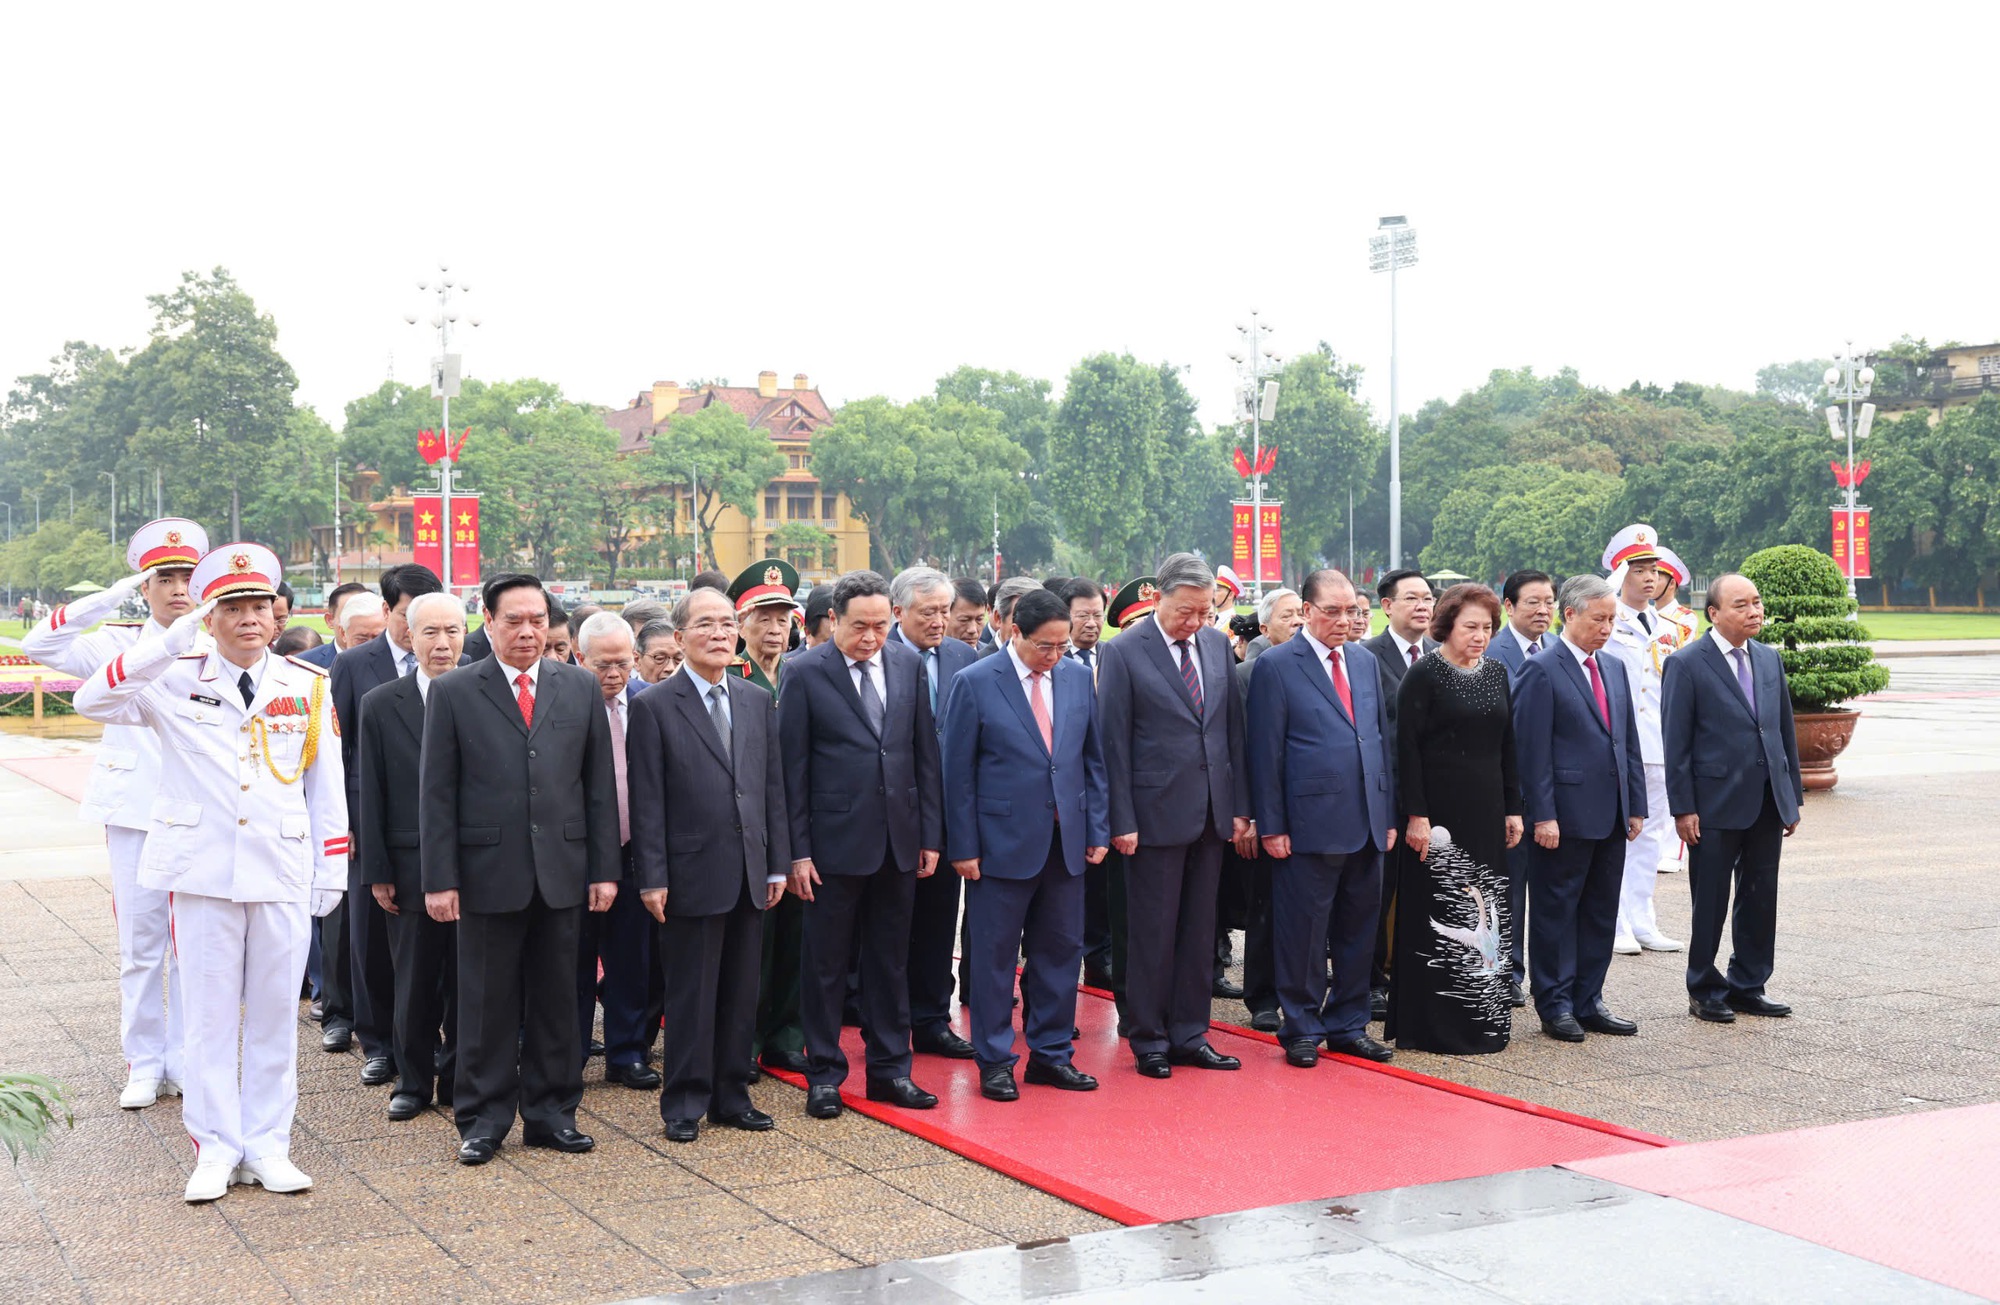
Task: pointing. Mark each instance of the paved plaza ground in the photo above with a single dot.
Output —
(1889, 948)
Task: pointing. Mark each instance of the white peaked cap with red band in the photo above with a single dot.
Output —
(168, 542)
(1635, 543)
(1225, 576)
(1670, 562)
(237, 571)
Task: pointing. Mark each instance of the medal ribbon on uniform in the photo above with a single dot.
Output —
(310, 708)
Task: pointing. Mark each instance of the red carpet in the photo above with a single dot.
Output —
(1205, 1142)
(65, 775)
(1914, 1192)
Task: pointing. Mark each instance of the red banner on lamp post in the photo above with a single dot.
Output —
(1245, 539)
(1851, 555)
(464, 527)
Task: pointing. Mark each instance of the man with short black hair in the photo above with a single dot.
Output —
(1530, 600)
(659, 650)
(1086, 619)
(281, 610)
(561, 645)
(969, 606)
(1406, 602)
(1007, 593)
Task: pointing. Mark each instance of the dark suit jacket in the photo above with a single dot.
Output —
(1004, 792)
(321, 656)
(1506, 649)
(355, 673)
(1326, 780)
(1394, 666)
(1572, 770)
(1171, 772)
(506, 811)
(478, 645)
(1721, 761)
(953, 656)
(391, 746)
(705, 826)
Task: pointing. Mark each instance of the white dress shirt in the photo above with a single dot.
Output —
(1325, 656)
(1048, 686)
(424, 679)
(1726, 646)
(1403, 645)
(872, 668)
(1523, 640)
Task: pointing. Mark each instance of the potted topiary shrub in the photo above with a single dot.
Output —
(1808, 618)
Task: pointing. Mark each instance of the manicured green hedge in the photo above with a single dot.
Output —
(1807, 618)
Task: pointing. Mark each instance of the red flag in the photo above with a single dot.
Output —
(1242, 464)
(1861, 473)
(430, 445)
(1267, 460)
(463, 436)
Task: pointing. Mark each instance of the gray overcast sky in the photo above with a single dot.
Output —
(875, 195)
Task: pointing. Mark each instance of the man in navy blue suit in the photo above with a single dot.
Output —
(1026, 808)
(1583, 785)
(1734, 787)
(923, 601)
(1322, 782)
(1530, 600)
(860, 754)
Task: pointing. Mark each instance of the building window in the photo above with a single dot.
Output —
(829, 506)
(799, 461)
(799, 507)
(771, 507)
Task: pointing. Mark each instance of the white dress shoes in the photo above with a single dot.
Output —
(274, 1174)
(140, 1093)
(208, 1182)
(1625, 945)
(1658, 942)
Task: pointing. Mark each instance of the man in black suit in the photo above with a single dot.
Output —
(1406, 602)
(1734, 786)
(518, 819)
(861, 768)
(371, 968)
(386, 830)
(923, 601)
(1173, 757)
(711, 850)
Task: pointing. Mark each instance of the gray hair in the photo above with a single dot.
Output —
(1580, 591)
(680, 612)
(1185, 571)
(1011, 591)
(638, 615)
(364, 604)
(424, 602)
(596, 626)
(654, 630)
(1269, 604)
(914, 582)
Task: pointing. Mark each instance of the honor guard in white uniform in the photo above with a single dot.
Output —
(1228, 590)
(119, 795)
(1674, 574)
(249, 834)
(1643, 640)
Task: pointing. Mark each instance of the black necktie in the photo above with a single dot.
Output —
(1646, 619)
(244, 687)
(871, 701)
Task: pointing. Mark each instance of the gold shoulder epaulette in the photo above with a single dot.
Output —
(316, 670)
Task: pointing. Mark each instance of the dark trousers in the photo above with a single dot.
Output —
(778, 1027)
(1170, 895)
(1097, 920)
(1315, 898)
(371, 973)
(1385, 923)
(1517, 907)
(708, 969)
(1748, 860)
(870, 913)
(933, 929)
(1260, 976)
(336, 1006)
(622, 940)
(1039, 918)
(1573, 906)
(426, 961)
(518, 1045)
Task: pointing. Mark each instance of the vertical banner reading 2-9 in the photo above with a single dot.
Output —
(464, 527)
(1244, 541)
(1851, 555)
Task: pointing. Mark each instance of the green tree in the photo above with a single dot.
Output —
(731, 460)
(293, 490)
(380, 431)
(803, 544)
(1324, 437)
(1114, 449)
(1801, 383)
(1559, 526)
(539, 463)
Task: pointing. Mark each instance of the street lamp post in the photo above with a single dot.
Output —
(36, 495)
(112, 476)
(445, 369)
(1255, 364)
(1848, 381)
(1395, 247)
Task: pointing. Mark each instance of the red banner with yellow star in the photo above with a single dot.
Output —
(429, 536)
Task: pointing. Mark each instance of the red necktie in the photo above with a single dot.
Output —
(526, 697)
(1340, 688)
(1413, 654)
(1597, 688)
(1041, 707)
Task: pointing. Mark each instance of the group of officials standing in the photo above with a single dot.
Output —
(796, 828)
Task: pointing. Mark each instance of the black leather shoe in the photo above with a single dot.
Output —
(477, 1150)
(566, 1140)
(756, 1072)
(1303, 1053)
(793, 1062)
(1225, 988)
(1154, 1064)
(1204, 1057)
(942, 1042)
(406, 1105)
(1756, 1003)
(336, 1036)
(1096, 977)
(318, 1010)
(1563, 1028)
(1603, 1021)
(377, 1070)
(1515, 997)
(901, 1092)
(596, 1050)
(997, 1084)
(1715, 1012)
(1360, 1046)
(683, 1130)
(1266, 1021)
(823, 1101)
(1378, 1004)
(639, 1078)
(1067, 1077)
(752, 1120)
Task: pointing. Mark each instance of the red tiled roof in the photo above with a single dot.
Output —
(635, 427)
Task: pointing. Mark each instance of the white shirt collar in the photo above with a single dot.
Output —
(1320, 650)
(230, 671)
(1724, 644)
(1021, 671)
(701, 686)
(1523, 639)
(1403, 645)
(513, 674)
(1574, 651)
(423, 679)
